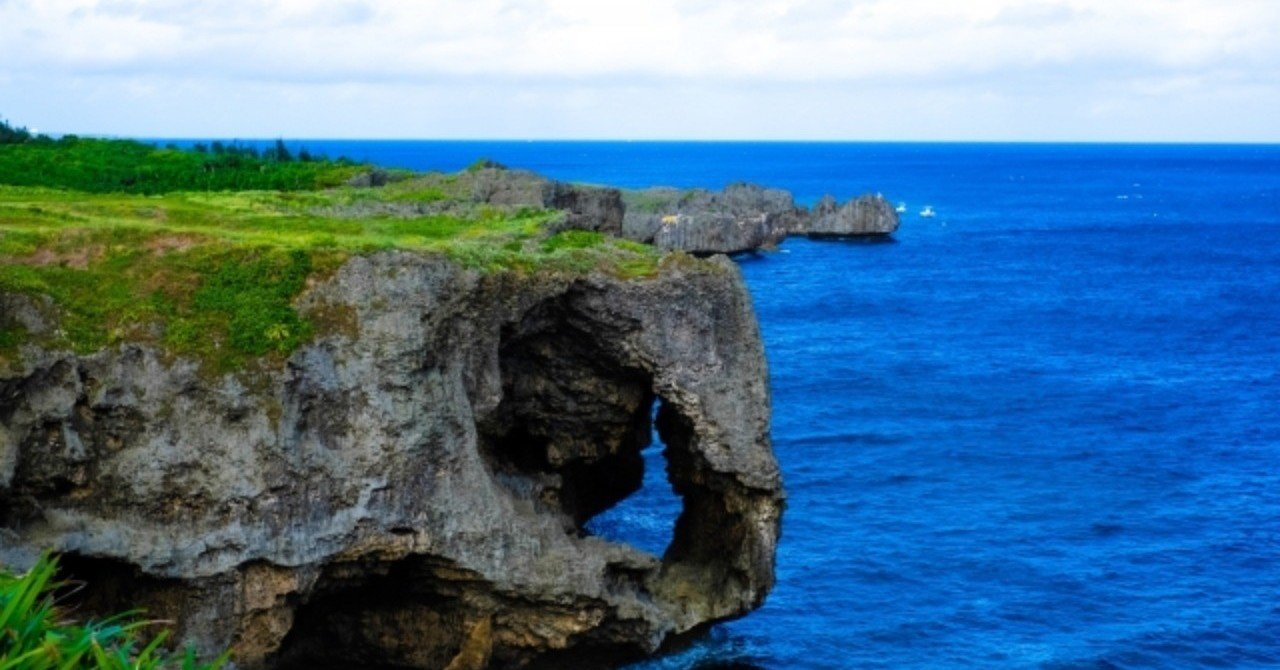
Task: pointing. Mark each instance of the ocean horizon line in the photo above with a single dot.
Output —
(552, 140)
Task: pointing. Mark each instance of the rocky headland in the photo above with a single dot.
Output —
(410, 489)
(746, 217)
(398, 470)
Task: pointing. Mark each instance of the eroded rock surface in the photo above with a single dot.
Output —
(739, 218)
(746, 217)
(864, 215)
(593, 208)
(410, 489)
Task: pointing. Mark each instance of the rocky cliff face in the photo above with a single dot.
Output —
(409, 490)
(746, 217)
(591, 208)
(742, 217)
(865, 215)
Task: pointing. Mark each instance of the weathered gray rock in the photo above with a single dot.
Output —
(501, 186)
(864, 215)
(591, 208)
(745, 217)
(740, 218)
(587, 208)
(370, 179)
(409, 489)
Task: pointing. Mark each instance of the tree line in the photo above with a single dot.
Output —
(129, 166)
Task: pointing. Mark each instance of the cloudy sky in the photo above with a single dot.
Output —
(1202, 70)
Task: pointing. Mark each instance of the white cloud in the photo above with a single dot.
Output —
(566, 56)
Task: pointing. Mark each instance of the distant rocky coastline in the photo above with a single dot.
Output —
(741, 218)
(746, 217)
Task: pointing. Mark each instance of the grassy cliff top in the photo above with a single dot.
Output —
(214, 274)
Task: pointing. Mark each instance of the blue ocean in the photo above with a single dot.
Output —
(1039, 430)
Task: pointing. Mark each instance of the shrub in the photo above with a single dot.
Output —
(12, 135)
(35, 633)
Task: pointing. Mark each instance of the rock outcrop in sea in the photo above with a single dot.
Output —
(868, 215)
(410, 488)
(745, 217)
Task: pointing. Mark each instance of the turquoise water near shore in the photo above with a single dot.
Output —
(1041, 430)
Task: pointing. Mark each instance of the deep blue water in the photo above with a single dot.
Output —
(1041, 430)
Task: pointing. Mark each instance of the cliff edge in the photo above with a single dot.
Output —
(409, 488)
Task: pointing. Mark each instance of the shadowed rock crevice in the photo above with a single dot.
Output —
(424, 612)
(95, 586)
(410, 613)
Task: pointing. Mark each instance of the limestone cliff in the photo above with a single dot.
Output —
(746, 217)
(409, 488)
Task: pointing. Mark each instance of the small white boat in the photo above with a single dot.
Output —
(901, 208)
(928, 212)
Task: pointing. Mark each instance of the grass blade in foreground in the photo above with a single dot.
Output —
(36, 635)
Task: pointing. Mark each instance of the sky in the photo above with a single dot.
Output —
(961, 70)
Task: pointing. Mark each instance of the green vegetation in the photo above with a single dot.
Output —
(10, 338)
(125, 166)
(12, 135)
(215, 275)
(134, 244)
(35, 634)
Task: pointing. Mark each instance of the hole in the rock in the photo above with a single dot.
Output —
(404, 614)
(573, 418)
(646, 519)
(520, 451)
(575, 432)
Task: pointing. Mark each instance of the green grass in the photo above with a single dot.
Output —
(215, 276)
(10, 338)
(247, 295)
(424, 194)
(573, 239)
(36, 634)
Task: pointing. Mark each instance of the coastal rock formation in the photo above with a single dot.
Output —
(592, 208)
(864, 215)
(745, 217)
(740, 218)
(589, 208)
(410, 488)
